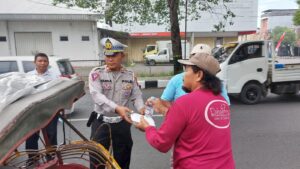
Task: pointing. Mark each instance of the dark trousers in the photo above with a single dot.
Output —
(51, 130)
(121, 139)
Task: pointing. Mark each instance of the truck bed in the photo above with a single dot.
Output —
(285, 69)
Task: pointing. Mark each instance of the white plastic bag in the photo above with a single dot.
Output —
(15, 85)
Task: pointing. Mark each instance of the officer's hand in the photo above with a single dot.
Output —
(124, 112)
(142, 111)
(142, 125)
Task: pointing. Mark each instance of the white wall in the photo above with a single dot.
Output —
(4, 46)
(245, 20)
(284, 21)
(74, 49)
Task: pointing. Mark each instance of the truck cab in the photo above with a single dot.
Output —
(250, 68)
(162, 57)
(150, 50)
(244, 68)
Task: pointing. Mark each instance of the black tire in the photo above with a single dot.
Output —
(152, 62)
(251, 93)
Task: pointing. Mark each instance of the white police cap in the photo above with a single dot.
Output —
(112, 46)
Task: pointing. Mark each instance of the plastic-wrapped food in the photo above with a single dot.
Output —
(15, 85)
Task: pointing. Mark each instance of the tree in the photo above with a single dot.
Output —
(169, 12)
(194, 7)
(289, 38)
(116, 11)
(296, 18)
(287, 42)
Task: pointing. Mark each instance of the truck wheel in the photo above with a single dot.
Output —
(152, 62)
(251, 93)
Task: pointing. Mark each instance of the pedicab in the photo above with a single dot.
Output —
(31, 113)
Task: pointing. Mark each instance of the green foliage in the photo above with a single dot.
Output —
(289, 38)
(296, 18)
(118, 11)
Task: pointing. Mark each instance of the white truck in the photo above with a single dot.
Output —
(165, 54)
(155, 48)
(250, 70)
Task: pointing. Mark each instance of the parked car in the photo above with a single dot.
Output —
(26, 63)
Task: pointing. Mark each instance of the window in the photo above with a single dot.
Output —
(2, 38)
(8, 66)
(150, 48)
(219, 41)
(65, 67)
(164, 52)
(85, 38)
(28, 66)
(248, 51)
(64, 38)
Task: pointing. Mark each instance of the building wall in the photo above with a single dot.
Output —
(230, 39)
(209, 41)
(75, 49)
(245, 20)
(4, 46)
(284, 21)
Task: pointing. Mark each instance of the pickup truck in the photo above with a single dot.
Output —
(250, 70)
(165, 55)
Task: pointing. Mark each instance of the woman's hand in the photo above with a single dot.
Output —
(142, 125)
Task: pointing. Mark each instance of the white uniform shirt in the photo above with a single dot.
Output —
(48, 75)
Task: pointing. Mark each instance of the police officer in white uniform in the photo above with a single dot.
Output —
(112, 87)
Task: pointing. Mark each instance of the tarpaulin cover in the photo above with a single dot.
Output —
(33, 109)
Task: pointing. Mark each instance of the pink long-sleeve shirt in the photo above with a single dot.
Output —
(198, 125)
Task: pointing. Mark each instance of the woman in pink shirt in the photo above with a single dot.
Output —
(197, 124)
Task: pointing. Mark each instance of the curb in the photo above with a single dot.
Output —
(145, 84)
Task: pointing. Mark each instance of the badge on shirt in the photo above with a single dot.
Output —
(106, 85)
(95, 76)
(127, 86)
(126, 93)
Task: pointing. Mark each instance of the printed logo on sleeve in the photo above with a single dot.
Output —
(95, 76)
(217, 114)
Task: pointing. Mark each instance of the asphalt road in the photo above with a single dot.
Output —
(264, 136)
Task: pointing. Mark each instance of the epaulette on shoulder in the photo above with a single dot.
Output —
(130, 71)
(98, 68)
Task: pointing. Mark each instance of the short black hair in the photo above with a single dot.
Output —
(40, 55)
(210, 82)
